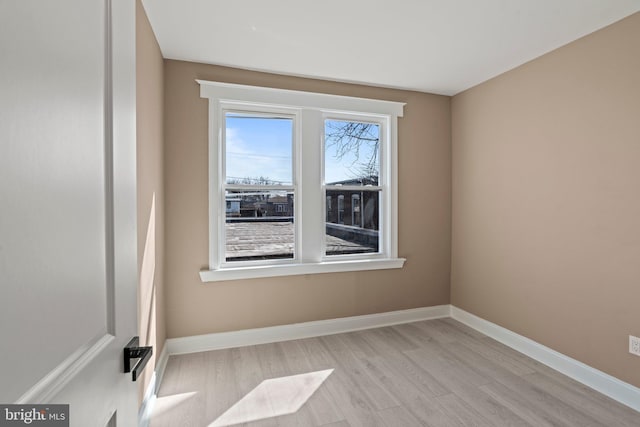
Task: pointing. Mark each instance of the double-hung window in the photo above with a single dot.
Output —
(299, 182)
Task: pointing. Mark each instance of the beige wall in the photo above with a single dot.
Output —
(149, 110)
(546, 199)
(194, 307)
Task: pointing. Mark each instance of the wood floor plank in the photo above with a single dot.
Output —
(486, 405)
(398, 416)
(359, 345)
(430, 413)
(399, 364)
(184, 393)
(432, 373)
(460, 328)
(491, 409)
(439, 331)
(532, 364)
(249, 375)
(462, 371)
(537, 397)
(484, 367)
(515, 365)
(337, 424)
(357, 410)
(519, 404)
(352, 370)
(273, 363)
(402, 378)
(460, 412)
(584, 400)
(416, 334)
(450, 372)
(323, 409)
(221, 386)
(170, 381)
(395, 339)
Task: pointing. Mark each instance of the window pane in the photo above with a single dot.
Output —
(258, 149)
(351, 152)
(259, 225)
(353, 227)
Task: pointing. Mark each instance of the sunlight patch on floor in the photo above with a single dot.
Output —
(273, 398)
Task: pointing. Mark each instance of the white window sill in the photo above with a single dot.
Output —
(302, 268)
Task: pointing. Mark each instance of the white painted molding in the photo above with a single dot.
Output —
(271, 334)
(606, 384)
(275, 270)
(150, 394)
(161, 365)
(60, 376)
(285, 97)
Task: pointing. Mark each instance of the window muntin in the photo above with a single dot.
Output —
(309, 112)
(359, 234)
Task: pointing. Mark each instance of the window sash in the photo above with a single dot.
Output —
(222, 244)
(385, 247)
(341, 226)
(257, 111)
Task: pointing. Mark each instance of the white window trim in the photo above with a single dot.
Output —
(310, 108)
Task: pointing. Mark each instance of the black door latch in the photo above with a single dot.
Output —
(133, 351)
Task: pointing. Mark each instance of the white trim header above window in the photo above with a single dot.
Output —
(277, 160)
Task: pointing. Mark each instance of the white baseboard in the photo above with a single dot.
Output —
(606, 384)
(161, 365)
(295, 331)
(144, 413)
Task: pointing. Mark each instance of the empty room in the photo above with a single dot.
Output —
(298, 213)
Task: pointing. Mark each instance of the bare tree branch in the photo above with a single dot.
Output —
(350, 138)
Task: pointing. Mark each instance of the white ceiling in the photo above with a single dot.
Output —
(437, 46)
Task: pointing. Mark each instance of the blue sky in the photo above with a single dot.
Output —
(258, 146)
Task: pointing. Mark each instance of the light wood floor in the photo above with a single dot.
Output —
(431, 373)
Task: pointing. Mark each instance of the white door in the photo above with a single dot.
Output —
(67, 206)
